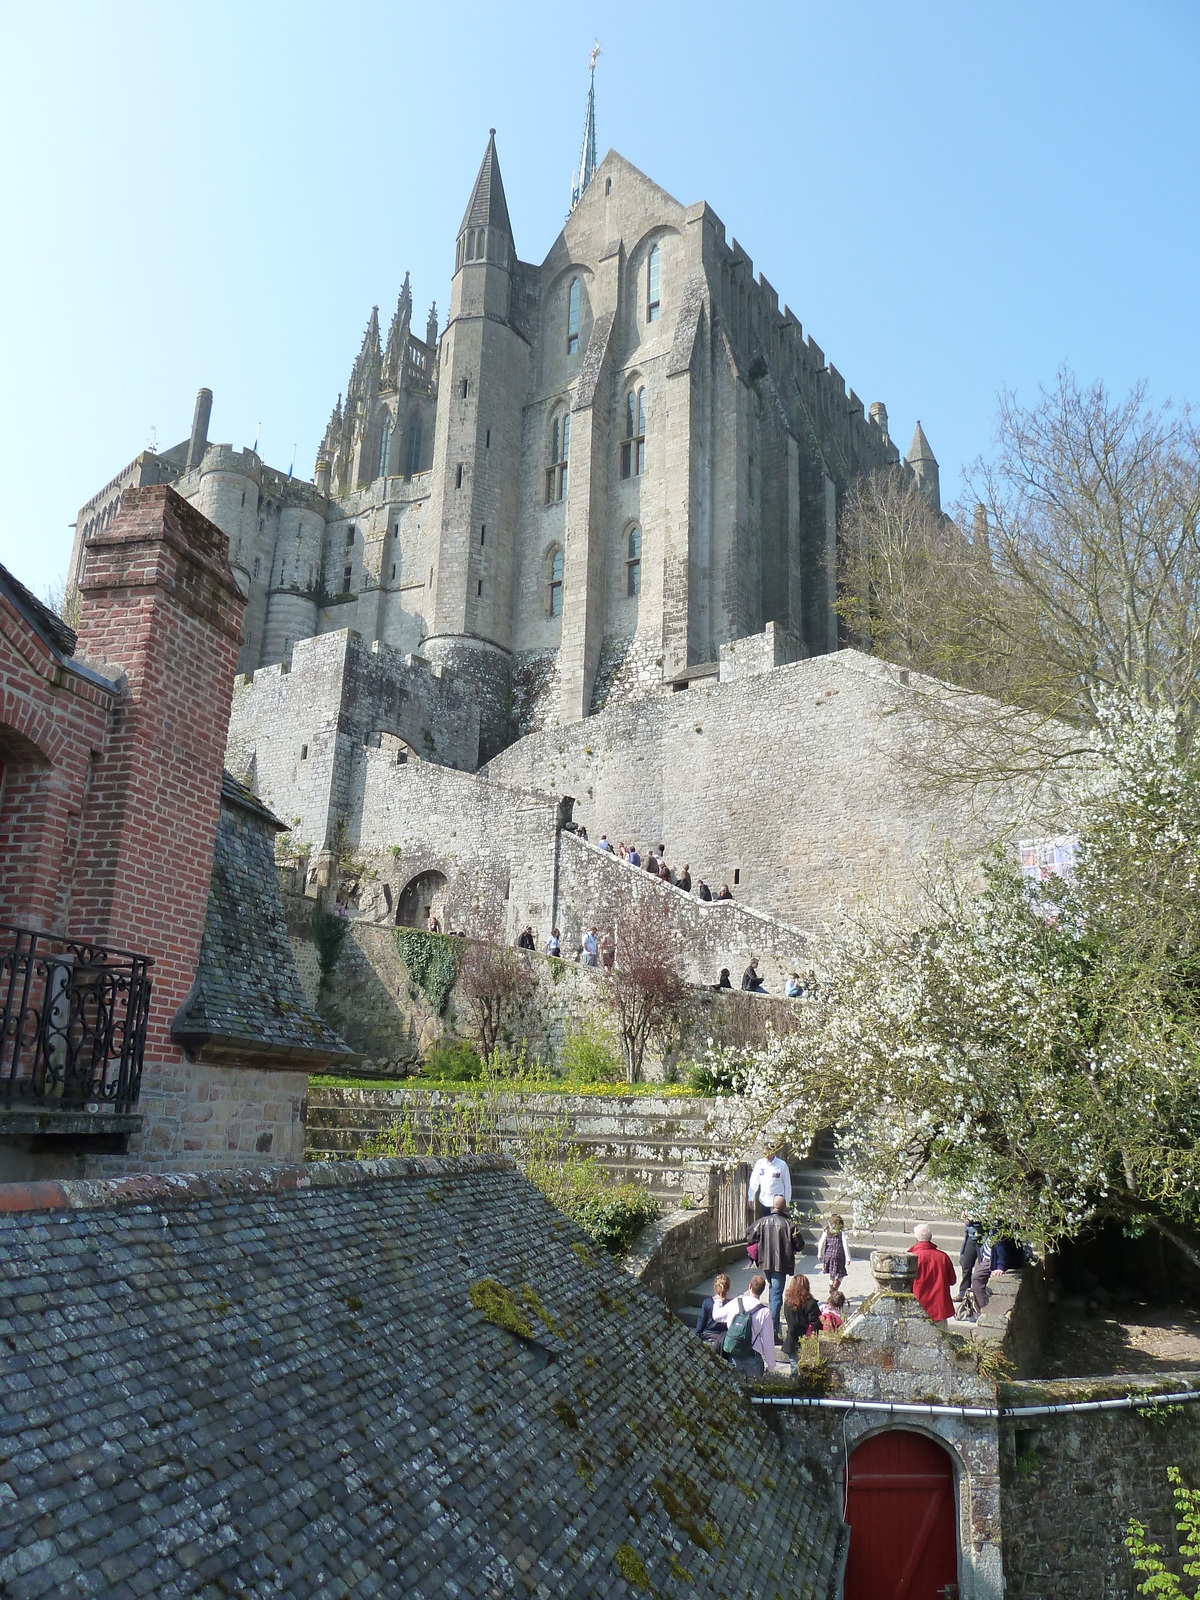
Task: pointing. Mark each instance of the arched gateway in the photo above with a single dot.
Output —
(900, 1506)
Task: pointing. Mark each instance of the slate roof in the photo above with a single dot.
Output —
(270, 1382)
(247, 999)
(38, 615)
(487, 207)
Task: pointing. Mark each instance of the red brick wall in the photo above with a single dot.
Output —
(52, 721)
(158, 599)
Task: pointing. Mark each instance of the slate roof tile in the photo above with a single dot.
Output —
(280, 1384)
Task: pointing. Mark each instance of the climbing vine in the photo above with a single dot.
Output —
(329, 934)
(432, 961)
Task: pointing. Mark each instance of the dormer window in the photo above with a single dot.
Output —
(573, 317)
(556, 472)
(652, 265)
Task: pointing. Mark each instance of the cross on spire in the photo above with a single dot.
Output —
(587, 160)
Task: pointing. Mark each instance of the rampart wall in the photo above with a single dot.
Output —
(799, 786)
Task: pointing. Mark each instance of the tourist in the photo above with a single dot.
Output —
(935, 1275)
(773, 1234)
(832, 1308)
(652, 864)
(801, 1314)
(711, 1331)
(434, 925)
(602, 843)
(702, 890)
(554, 943)
(754, 1353)
(725, 892)
(581, 833)
(751, 982)
(525, 940)
(723, 981)
(684, 881)
(665, 872)
(635, 859)
(591, 947)
(622, 852)
(833, 1252)
(967, 1256)
(771, 1176)
(793, 989)
(608, 952)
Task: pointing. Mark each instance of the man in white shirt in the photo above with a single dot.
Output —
(762, 1339)
(769, 1178)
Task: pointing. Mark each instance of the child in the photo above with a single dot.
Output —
(832, 1309)
(833, 1252)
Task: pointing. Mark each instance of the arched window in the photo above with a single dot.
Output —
(556, 571)
(652, 265)
(412, 461)
(573, 317)
(560, 445)
(633, 451)
(633, 564)
(385, 440)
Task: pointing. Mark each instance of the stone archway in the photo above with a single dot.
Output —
(422, 896)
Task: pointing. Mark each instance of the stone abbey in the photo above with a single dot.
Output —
(603, 469)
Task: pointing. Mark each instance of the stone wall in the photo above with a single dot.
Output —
(1069, 1484)
(301, 733)
(798, 786)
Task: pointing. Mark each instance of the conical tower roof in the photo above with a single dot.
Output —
(919, 449)
(487, 207)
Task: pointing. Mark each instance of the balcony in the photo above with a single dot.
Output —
(72, 1036)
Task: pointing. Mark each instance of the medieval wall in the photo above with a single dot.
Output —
(798, 786)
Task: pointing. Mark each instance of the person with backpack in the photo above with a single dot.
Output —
(749, 1345)
(707, 1327)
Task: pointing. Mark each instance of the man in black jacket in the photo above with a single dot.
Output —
(776, 1243)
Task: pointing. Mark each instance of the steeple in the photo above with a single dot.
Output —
(487, 207)
(924, 467)
(587, 159)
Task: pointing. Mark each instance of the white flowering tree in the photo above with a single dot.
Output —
(1032, 1049)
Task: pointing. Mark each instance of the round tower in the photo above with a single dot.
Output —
(230, 494)
(294, 582)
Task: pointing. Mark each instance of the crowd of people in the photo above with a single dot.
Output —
(655, 864)
(782, 1306)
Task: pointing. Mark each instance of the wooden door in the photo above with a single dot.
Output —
(903, 1527)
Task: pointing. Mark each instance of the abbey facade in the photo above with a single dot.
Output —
(605, 468)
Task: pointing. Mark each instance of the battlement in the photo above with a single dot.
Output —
(224, 458)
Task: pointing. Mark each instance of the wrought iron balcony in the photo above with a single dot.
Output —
(73, 1028)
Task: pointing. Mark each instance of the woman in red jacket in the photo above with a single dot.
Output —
(935, 1275)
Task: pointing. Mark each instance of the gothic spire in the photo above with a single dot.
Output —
(587, 159)
(487, 207)
(393, 359)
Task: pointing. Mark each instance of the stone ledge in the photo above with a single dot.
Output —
(187, 1188)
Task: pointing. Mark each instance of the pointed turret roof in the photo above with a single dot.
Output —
(919, 449)
(487, 207)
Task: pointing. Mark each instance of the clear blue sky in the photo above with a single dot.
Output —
(951, 198)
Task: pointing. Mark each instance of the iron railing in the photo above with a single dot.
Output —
(73, 1024)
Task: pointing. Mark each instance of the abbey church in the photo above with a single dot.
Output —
(602, 469)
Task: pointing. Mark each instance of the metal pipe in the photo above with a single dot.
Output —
(1129, 1402)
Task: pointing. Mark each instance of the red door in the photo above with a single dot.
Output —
(901, 1511)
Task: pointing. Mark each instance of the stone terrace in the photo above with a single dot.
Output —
(300, 1381)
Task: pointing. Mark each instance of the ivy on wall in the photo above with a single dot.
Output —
(432, 961)
(329, 933)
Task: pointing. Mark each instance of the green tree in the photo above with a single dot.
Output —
(1031, 1047)
(1147, 1557)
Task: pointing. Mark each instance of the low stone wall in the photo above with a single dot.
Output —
(672, 1254)
(369, 996)
(1070, 1483)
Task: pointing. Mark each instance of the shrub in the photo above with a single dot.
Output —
(719, 1071)
(453, 1061)
(1147, 1556)
(329, 934)
(590, 1055)
(610, 1213)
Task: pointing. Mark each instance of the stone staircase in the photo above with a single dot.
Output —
(666, 1143)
